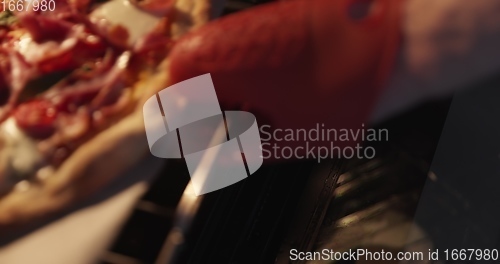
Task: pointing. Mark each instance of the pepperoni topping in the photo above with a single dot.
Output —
(36, 118)
(60, 66)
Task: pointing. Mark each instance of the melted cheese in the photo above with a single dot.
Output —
(123, 13)
(19, 158)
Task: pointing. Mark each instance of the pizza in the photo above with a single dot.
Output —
(73, 79)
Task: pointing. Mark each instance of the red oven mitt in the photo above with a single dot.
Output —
(297, 64)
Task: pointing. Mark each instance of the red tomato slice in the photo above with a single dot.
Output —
(36, 118)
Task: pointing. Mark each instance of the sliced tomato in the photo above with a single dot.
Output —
(36, 118)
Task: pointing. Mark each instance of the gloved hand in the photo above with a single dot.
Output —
(340, 63)
(297, 63)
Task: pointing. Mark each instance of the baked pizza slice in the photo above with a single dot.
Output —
(73, 80)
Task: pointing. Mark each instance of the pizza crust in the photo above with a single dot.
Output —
(103, 158)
